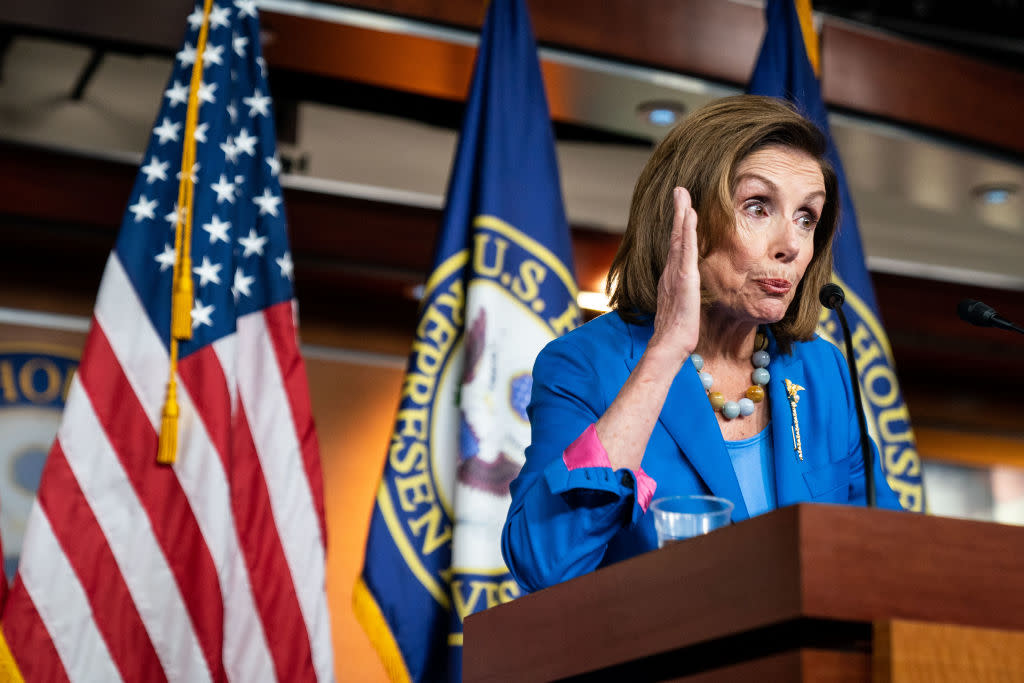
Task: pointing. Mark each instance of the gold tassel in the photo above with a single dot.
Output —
(181, 301)
(182, 289)
(167, 450)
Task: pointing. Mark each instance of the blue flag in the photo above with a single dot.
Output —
(784, 70)
(501, 288)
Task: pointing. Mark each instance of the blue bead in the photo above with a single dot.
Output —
(746, 407)
(731, 409)
(706, 380)
(697, 360)
(761, 359)
(760, 376)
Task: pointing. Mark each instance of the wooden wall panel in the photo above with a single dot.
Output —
(864, 70)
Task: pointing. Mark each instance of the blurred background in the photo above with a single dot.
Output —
(925, 100)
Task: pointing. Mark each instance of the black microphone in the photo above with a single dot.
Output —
(832, 297)
(983, 315)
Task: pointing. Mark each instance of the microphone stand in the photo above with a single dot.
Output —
(865, 440)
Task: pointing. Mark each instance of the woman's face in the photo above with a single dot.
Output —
(753, 276)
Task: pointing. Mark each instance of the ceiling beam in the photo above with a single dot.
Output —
(865, 71)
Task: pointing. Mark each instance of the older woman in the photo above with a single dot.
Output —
(708, 377)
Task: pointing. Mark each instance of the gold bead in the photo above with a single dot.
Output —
(717, 400)
(755, 393)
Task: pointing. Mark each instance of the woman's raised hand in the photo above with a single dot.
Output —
(677, 320)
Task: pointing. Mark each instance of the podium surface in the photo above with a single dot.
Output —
(797, 589)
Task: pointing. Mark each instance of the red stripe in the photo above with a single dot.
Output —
(28, 639)
(201, 373)
(85, 546)
(271, 579)
(135, 441)
(281, 328)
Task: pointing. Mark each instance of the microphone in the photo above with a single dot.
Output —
(983, 315)
(832, 297)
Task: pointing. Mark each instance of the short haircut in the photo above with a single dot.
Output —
(702, 153)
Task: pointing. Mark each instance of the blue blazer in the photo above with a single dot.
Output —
(563, 523)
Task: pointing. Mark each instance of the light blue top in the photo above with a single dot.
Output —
(755, 470)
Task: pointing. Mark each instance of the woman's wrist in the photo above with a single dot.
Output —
(665, 358)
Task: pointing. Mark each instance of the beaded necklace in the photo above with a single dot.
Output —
(755, 392)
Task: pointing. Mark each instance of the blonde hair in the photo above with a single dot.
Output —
(702, 153)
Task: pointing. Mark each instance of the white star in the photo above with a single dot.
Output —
(246, 143)
(175, 216)
(208, 272)
(267, 202)
(201, 315)
(167, 131)
(246, 8)
(242, 284)
(155, 170)
(230, 151)
(166, 259)
(274, 163)
(192, 175)
(195, 20)
(253, 243)
(285, 262)
(200, 132)
(213, 54)
(206, 92)
(220, 16)
(233, 112)
(143, 208)
(258, 103)
(239, 43)
(177, 94)
(225, 190)
(218, 229)
(187, 55)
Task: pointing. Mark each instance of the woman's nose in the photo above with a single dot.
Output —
(787, 242)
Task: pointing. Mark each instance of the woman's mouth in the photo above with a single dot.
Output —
(775, 285)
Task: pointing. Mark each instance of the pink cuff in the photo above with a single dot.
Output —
(587, 451)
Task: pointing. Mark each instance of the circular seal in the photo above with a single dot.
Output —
(461, 429)
(34, 382)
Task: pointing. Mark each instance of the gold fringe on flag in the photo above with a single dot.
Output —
(805, 12)
(9, 671)
(376, 626)
(182, 291)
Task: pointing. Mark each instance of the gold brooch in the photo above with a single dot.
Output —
(794, 398)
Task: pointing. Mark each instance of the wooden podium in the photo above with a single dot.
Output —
(806, 593)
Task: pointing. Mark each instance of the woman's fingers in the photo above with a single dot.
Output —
(686, 217)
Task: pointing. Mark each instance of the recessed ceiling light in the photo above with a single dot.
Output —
(995, 193)
(661, 112)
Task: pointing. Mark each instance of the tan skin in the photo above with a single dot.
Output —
(780, 192)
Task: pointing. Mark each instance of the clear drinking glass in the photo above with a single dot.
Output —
(679, 517)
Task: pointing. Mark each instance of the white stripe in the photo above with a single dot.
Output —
(262, 393)
(135, 342)
(62, 604)
(130, 537)
(226, 349)
(200, 471)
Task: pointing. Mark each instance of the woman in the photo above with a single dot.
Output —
(707, 378)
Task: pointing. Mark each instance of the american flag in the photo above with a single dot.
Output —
(210, 569)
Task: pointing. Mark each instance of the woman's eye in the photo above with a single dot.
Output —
(807, 222)
(757, 209)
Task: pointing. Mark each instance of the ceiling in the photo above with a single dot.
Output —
(988, 29)
(916, 194)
